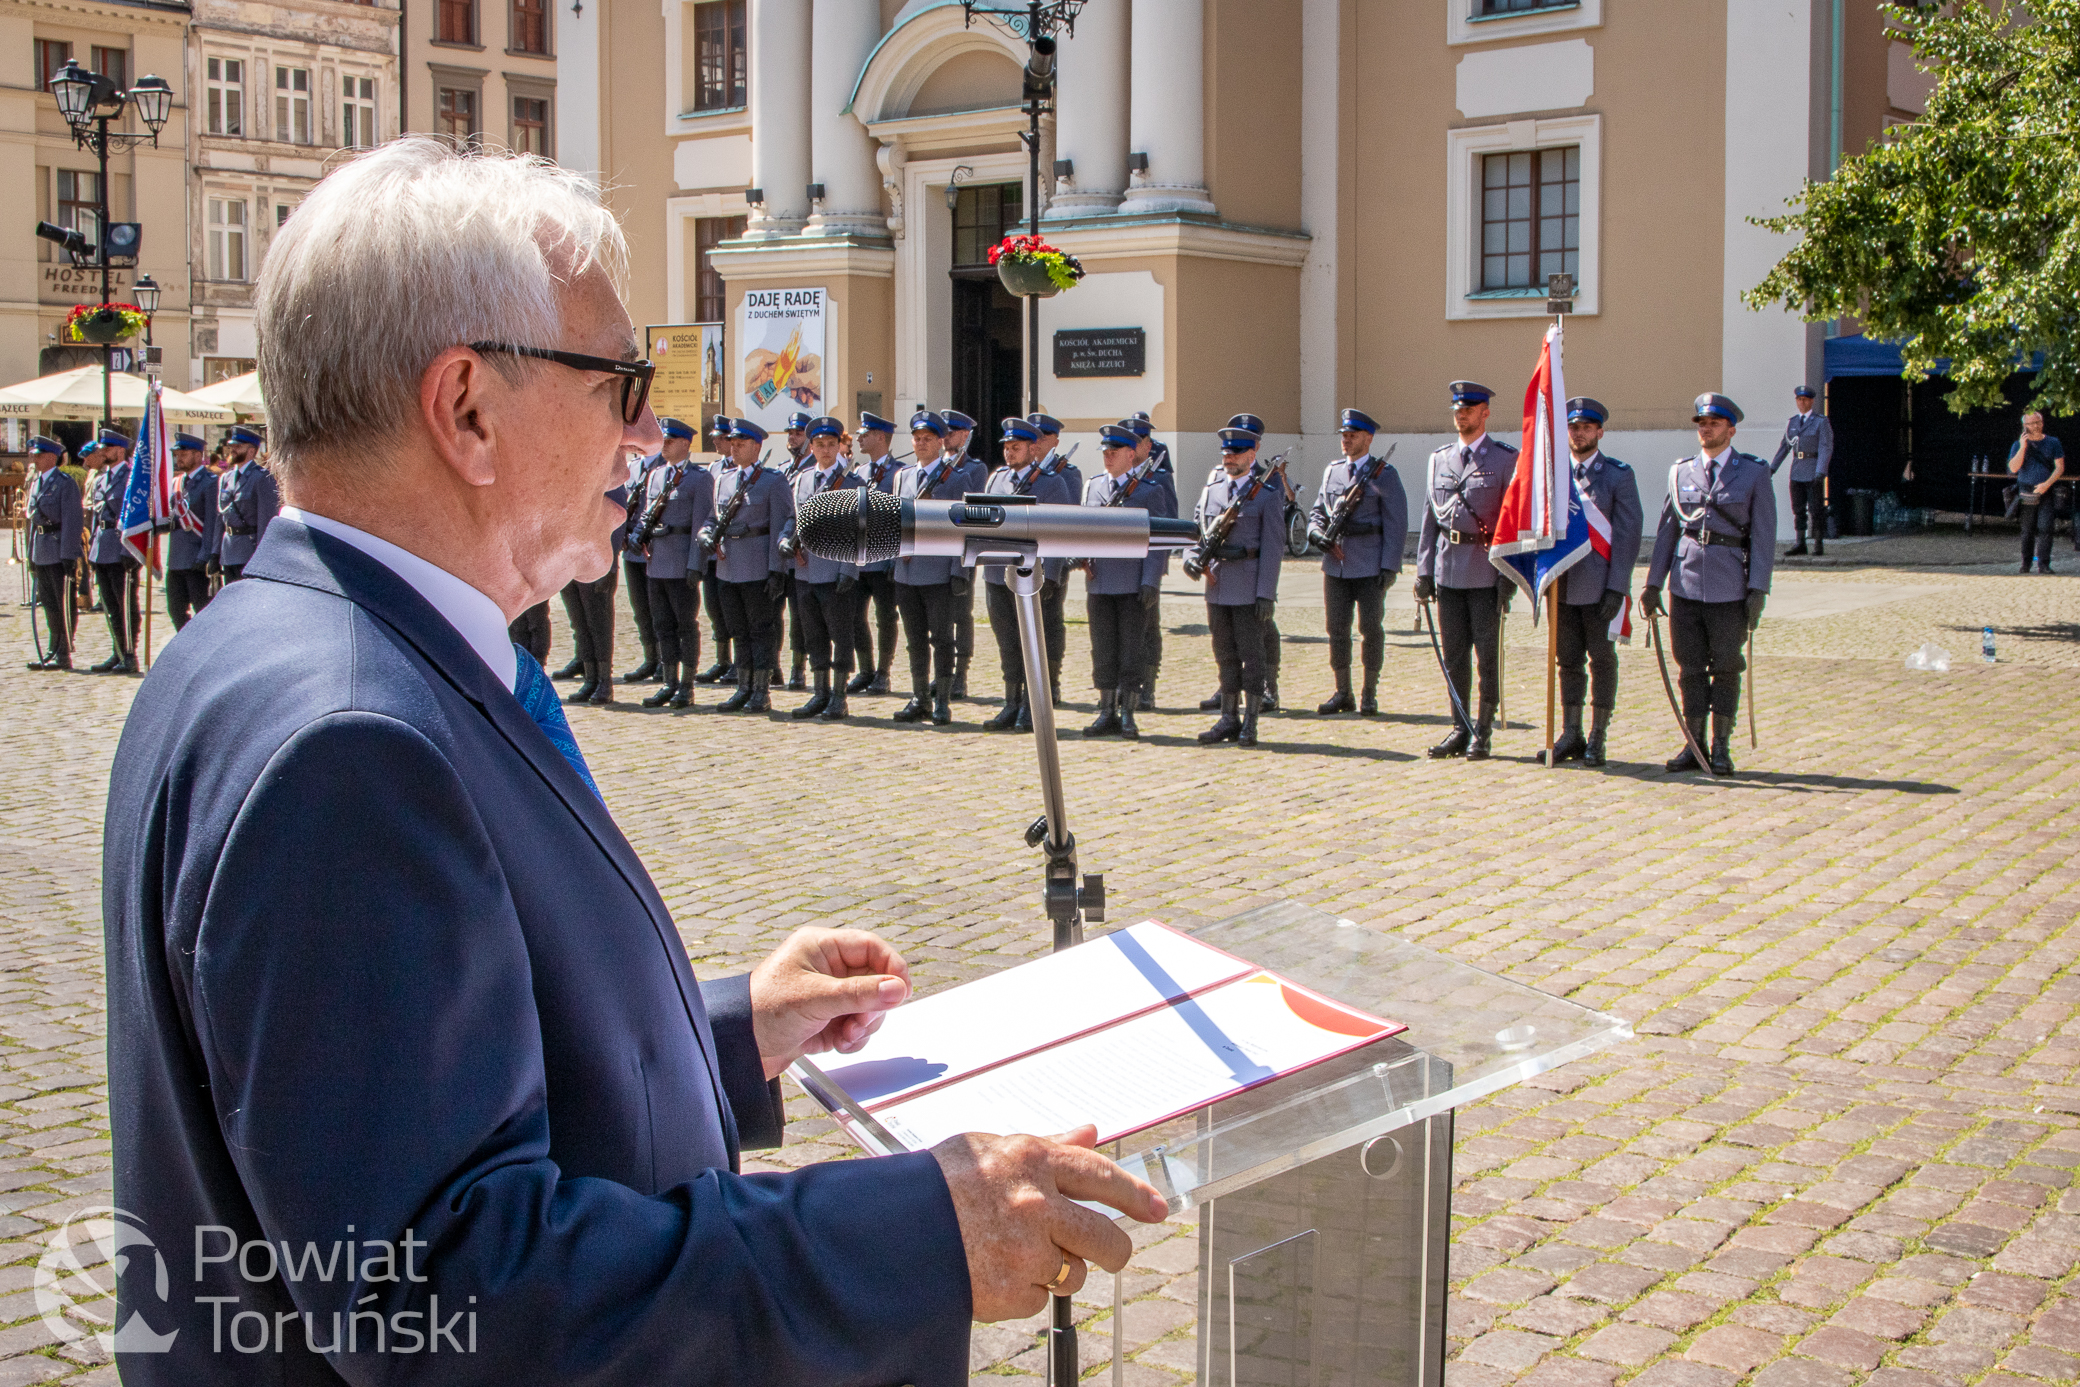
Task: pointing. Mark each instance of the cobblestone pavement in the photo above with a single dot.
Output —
(1840, 1149)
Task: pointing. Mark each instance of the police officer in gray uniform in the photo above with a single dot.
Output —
(960, 435)
(687, 493)
(54, 515)
(247, 501)
(1592, 592)
(1242, 590)
(724, 668)
(748, 561)
(1465, 485)
(1053, 464)
(801, 461)
(1809, 441)
(828, 591)
(590, 607)
(1020, 476)
(1364, 561)
(1714, 549)
(924, 586)
(879, 470)
(635, 563)
(1119, 592)
(115, 571)
(1152, 459)
(1273, 642)
(189, 552)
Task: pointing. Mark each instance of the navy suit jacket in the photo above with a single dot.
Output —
(383, 973)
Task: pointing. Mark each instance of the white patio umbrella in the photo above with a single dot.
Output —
(76, 394)
(240, 393)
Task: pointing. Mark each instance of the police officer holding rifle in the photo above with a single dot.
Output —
(1119, 592)
(753, 507)
(1360, 523)
(678, 500)
(828, 591)
(925, 595)
(1241, 518)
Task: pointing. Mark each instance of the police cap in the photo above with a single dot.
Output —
(798, 420)
(1469, 392)
(824, 426)
(1234, 440)
(675, 428)
(1716, 406)
(1582, 407)
(1247, 421)
(746, 428)
(1358, 420)
(927, 419)
(44, 443)
(955, 420)
(1805, 392)
(187, 443)
(870, 422)
(1018, 428)
(1046, 423)
(1136, 424)
(1117, 436)
(240, 433)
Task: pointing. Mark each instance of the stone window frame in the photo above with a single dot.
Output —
(1463, 150)
(1464, 25)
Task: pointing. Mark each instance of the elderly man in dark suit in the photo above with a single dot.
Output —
(405, 1055)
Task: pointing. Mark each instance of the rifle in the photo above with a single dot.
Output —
(1347, 506)
(640, 532)
(1136, 475)
(1206, 557)
(712, 533)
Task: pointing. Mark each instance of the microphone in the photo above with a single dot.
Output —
(865, 526)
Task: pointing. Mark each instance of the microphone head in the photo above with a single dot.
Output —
(856, 525)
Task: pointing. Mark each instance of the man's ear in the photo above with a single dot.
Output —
(453, 400)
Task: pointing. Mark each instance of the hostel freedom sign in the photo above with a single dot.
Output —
(779, 340)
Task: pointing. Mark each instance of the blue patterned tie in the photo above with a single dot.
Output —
(538, 696)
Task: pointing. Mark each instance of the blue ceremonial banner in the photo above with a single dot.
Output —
(148, 501)
(1542, 529)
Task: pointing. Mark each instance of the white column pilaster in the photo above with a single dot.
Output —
(1167, 111)
(577, 90)
(1092, 122)
(1321, 192)
(779, 116)
(841, 151)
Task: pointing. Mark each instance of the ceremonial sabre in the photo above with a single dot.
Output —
(1552, 666)
(1458, 708)
(1751, 688)
(1501, 689)
(1668, 685)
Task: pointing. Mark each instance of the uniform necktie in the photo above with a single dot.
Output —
(1465, 455)
(538, 696)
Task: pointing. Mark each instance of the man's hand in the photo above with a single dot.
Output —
(1607, 610)
(1048, 588)
(959, 584)
(1267, 607)
(1504, 591)
(1013, 1196)
(1755, 603)
(1387, 577)
(1151, 597)
(1426, 587)
(1650, 602)
(847, 582)
(775, 587)
(824, 989)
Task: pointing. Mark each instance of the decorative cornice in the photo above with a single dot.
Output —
(794, 256)
(170, 16)
(1115, 237)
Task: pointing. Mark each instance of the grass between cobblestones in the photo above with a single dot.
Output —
(1840, 1149)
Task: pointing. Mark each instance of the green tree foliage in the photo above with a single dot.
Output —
(1959, 235)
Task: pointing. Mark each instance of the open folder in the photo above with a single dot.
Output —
(1125, 1031)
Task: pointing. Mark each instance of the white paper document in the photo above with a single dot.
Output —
(1125, 1031)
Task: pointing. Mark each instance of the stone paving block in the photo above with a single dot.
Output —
(2034, 1360)
(1803, 1372)
(1844, 1347)
(1628, 1344)
(1676, 1310)
(1735, 1347)
(1509, 1285)
(1879, 1318)
(1508, 1348)
(1676, 1373)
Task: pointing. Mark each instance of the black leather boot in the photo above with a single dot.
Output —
(130, 664)
(1269, 698)
(1211, 702)
(942, 708)
(1454, 744)
(741, 699)
(587, 685)
(1229, 726)
(880, 684)
(1147, 701)
(1797, 550)
(107, 666)
(1570, 744)
(1252, 704)
(819, 700)
(644, 671)
(860, 682)
(761, 692)
(570, 671)
(835, 710)
(1368, 701)
(1686, 760)
(1025, 711)
(1722, 733)
(1340, 701)
(720, 670)
(797, 680)
(1054, 682)
(1107, 724)
(1007, 718)
(603, 692)
(1128, 696)
(664, 690)
(1483, 726)
(960, 677)
(918, 708)
(1599, 724)
(1819, 547)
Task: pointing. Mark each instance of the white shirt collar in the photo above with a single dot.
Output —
(1476, 444)
(1720, 456)
(475, 617)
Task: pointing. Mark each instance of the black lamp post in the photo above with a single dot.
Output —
(146, 291)
(1037, 23)
(89, 101)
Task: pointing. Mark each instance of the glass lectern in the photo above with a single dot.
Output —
(1323, 1199)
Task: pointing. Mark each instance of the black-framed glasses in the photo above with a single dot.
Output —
(635, 375)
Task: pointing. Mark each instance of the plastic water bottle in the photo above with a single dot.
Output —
(1986, 644)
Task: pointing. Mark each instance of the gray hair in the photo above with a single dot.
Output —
(399, 255)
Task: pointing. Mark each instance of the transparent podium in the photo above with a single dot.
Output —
(1323, 1199)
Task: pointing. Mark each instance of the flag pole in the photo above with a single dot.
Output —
(151, 561)
(1552, 663)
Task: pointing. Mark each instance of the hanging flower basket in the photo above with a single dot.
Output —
(1031, 268)
(104, 323)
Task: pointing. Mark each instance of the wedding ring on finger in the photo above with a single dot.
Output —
(1061, 1278)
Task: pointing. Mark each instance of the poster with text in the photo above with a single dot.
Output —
(780, 341)
(675, 390)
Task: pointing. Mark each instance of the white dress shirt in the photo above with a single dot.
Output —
(473, 615)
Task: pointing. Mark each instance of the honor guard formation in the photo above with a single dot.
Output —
(718, 539)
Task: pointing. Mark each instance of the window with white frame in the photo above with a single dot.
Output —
(292, 105)
(225, 101)
(357, 112)
(1484, 21)
(1523, 201)
(227, 238)
(79, 202)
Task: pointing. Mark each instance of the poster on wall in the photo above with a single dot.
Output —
(711, 369)
(780, 339)
(676, 390)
